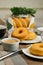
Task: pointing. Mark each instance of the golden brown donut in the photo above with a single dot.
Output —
(27, 21)
(20, 32)
(23, 22)
(14, 23)
(18, 23)
(30, 36)
(36, 49)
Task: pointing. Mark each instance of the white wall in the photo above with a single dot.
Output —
(26, 3)
(5, 6)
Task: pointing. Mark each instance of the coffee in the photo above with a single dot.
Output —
(10, 41)
(2, 30)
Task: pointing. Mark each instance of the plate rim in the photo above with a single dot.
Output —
(24, 41)
(39, 28)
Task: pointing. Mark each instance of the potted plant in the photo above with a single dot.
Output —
(24, 12)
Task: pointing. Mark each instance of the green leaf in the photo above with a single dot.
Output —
(22, 10)
(9, 26)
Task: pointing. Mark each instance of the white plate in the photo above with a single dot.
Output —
(26, 52)
(40, 29)
(37, 39)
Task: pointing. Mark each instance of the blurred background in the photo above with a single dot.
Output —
(5, 6)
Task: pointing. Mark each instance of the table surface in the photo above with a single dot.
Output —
(18, 57)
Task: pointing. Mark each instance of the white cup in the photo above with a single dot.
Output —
(10, 47)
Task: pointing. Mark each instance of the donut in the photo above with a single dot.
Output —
(20, 32)
(23, 33)
(27, 21)
(14, 24)
(18, 23)
(36, 49)
(23, 22)
(30, 36)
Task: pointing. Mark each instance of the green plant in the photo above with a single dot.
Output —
(22, 10)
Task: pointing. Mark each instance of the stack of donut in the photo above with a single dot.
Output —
(21, 22)
(23, 33)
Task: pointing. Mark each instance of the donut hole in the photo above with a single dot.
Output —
(20, 31)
